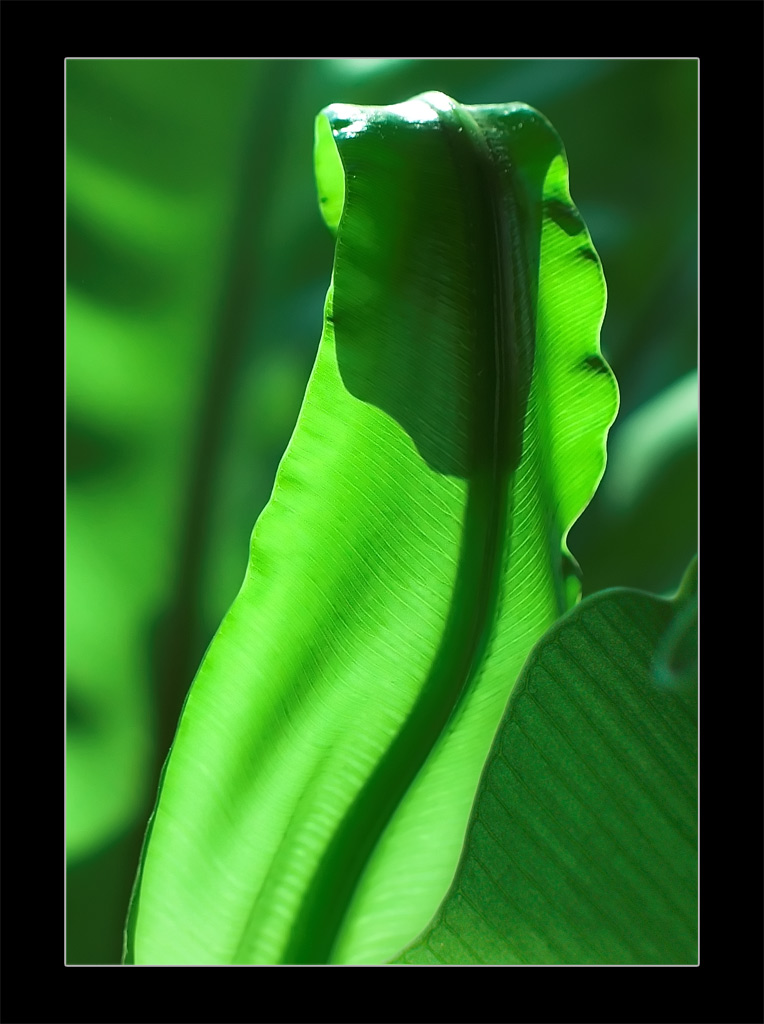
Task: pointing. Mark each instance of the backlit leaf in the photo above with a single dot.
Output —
(314, 802)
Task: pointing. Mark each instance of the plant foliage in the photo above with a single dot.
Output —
(196, 268)
(315, 799)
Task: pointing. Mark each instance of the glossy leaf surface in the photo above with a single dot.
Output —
(582, 846)
(314, 802)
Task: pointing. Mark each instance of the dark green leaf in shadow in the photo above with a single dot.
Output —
(582, 845)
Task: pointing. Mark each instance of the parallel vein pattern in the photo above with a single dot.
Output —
(583, 842)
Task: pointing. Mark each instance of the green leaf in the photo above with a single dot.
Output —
(582, 845)
(314, 802)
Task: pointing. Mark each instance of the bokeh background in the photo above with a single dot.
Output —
(197, 266)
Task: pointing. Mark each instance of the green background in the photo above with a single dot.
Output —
(197, 266)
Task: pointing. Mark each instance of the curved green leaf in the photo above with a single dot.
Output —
(315, 799)
(582, 845)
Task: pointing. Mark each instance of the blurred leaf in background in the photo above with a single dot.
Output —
(197, 266)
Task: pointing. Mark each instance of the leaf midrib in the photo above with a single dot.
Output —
(496, 422)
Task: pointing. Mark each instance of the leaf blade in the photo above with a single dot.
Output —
(343, 674)
(582, 847)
